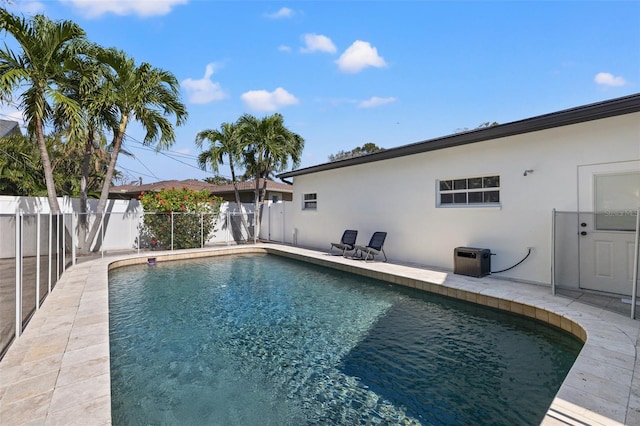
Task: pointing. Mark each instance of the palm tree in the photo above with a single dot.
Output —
(223, 142)
(85, 82)
(143, 93)
(268, 147)
(46, 46)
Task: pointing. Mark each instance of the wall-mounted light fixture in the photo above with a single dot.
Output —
(527, 172)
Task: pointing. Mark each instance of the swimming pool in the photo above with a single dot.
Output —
(265, 340)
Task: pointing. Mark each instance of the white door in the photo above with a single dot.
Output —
(608, 200)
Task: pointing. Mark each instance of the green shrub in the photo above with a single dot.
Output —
(193, 213)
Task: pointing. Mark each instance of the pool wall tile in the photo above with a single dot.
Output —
(542, 315)
(517, 308)
(504, 305)
(471, 297)
(493, 302)
(482, 299)
(555, 319)
(529, 311)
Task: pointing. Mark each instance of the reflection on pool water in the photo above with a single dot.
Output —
(259, 340)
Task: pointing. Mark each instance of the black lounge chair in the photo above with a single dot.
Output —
(347, 242)
(373, 248)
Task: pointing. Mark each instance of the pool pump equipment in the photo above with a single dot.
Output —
(474, 262)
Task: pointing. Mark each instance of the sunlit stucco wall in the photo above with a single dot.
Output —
(399, 196)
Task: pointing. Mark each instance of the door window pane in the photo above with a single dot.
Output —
(617, 198)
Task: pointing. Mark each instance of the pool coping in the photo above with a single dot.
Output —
(57, 371)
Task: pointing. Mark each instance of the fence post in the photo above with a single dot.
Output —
(18, 275)
(64, 244)
(49, 253)
(171, 231)
(553, 252)
(139, 231)
(74, 241)
(228, 218)
(58, 247)
(102, 234)
(37, 261)
(634, 290)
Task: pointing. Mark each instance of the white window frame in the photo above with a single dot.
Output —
(310, 201)
(458, 191)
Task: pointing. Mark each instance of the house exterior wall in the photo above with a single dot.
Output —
(399, 196)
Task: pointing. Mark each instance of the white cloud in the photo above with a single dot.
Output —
(261, 100)
(204, 90)
(26, 7)
(359, 56)
(95, 8)
(317, 43)
(284, 48)
(284, 12)
(376, 101)
(607, 79)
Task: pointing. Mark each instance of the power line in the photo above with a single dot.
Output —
(173, 156)
(134, 173)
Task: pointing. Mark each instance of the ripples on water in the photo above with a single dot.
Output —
(263, 340)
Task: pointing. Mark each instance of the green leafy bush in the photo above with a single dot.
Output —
(192, 216)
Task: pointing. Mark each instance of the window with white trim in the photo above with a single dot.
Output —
(309, 201)
(473, 191)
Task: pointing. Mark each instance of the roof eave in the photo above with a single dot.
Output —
(605, 109)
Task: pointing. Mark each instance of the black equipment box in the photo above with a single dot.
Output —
(474, 262)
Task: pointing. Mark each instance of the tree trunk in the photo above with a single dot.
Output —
(263, 191)
(256, 211)
(46, 165)
(104, 195)
(84, 179)
(237, 193)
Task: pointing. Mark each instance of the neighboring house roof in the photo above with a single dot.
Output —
(595, 111)
(132, 191)
(8, 127)
(250, 186)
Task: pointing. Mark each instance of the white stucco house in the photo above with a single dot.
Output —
(495, 188)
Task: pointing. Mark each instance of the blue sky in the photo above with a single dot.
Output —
(344, 73)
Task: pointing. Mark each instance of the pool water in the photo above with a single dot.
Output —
(265, 340)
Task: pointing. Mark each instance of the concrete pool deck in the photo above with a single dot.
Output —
(57, 372)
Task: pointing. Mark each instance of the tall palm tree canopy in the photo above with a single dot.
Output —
(40, 65)
(38, 69)
(225, 141)
(269, 145)
(146, 94)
